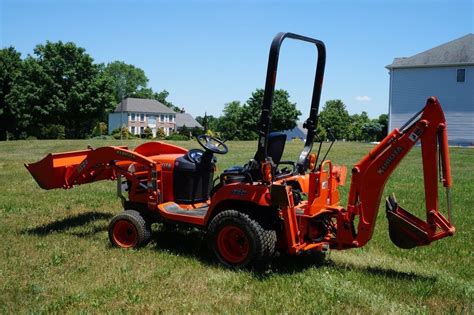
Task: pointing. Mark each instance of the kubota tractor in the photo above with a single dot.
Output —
(266, 205)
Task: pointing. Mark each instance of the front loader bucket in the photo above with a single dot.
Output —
(405, 230)
(53, 170)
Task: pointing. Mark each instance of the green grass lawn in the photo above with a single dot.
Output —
(55, 254)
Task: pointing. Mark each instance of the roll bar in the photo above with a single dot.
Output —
(264, 124)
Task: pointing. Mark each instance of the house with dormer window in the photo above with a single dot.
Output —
(136, 114)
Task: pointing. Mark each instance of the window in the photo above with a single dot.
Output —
(461, 75)
(142, 117)
(132, 117)
(132, 130)
(162, 118)
(142, 130)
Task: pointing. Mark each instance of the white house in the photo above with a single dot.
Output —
(137, 114)
(446, 71)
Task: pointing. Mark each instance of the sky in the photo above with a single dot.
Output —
(209, 53)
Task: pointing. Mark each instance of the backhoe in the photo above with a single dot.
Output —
(249, 212)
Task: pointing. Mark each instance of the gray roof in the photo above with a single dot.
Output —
(142, 105)
(456, 52)
(297, 132)
(186, 119)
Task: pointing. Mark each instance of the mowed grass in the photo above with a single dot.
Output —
(55, 254)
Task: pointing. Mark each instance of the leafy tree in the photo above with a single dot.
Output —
(228, 124)
(383, 121)
(127, 80)
(334, 116)
(184, 131)
(196, 131)
(131, 81)
(321, 134)
(147, 133)
(371, 130)
(284, 113)
(10, 114)
(162, 98)
(354, 132)
(60, 85)
(52, 132)
(208, 122)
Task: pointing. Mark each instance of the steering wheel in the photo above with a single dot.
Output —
(212, 144)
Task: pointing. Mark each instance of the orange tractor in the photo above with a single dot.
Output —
(249, 212)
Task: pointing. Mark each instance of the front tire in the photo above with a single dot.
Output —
(129, 229)
(238, 241)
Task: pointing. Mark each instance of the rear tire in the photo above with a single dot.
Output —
(238, 241)
(129, 229)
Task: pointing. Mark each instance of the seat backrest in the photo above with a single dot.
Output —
(276, 146)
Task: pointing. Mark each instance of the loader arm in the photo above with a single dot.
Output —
(67, 169)
(371, 173)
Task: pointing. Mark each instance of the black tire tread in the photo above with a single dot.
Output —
(264, 242)
(143, 227)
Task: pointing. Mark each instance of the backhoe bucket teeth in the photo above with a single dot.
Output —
(405, 230)
(52, 171)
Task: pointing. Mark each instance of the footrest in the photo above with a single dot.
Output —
(173, 208)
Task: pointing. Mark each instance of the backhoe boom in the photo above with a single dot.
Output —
(371, 173)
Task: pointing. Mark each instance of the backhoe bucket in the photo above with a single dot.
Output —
(405, 230)
(53, 170)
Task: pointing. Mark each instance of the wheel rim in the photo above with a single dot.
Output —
(125, 234)
(233, 244)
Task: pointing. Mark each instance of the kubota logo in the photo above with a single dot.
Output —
(389, 160)
(126, 154)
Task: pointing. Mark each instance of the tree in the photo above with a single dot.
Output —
(162, 98)
(229, 123)
(321, 134)
(335, 117)
(10, 67)
(184, 131)
(354, 132)
(371, 130)
(284, 113)
(60, 85)
(383, 121)
(208, 122)
(127, 81)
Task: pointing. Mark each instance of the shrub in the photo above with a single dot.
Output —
(177, 137)
(147, 133)
(125, 133)
(99, 129)
(52, 132)
(160, 134)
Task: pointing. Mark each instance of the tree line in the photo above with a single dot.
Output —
(238, 121)
(60, 92)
